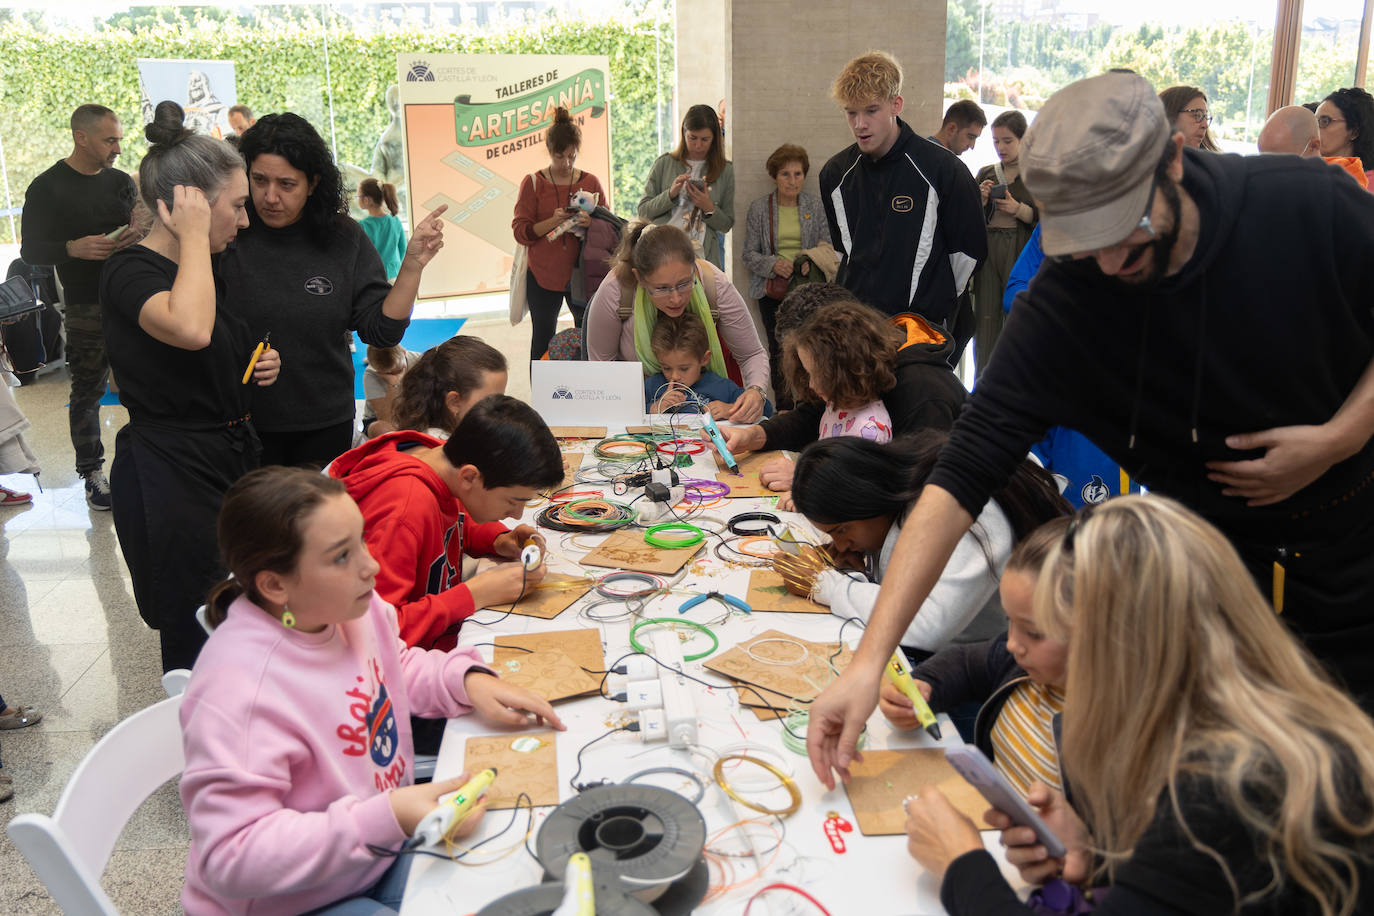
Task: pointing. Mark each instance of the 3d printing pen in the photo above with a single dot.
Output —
(452, 810)
(899, 673)
(579, 899)
(531, 556)
(708, 423)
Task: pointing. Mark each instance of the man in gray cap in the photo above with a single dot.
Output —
(1206, 321)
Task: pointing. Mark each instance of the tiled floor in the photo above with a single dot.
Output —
(73, 645)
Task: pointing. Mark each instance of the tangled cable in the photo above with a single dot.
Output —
(588, 516)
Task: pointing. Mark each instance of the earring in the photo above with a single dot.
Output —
(288, 619)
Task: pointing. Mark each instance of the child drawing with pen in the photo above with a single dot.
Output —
(296, 722)
(684, 383)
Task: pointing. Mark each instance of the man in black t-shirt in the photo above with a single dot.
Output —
(76, 214)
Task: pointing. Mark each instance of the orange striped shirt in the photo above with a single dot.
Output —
(1023, 736)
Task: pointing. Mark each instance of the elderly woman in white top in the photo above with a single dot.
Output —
(655, 273)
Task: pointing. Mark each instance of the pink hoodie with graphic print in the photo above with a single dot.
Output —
(293, 741)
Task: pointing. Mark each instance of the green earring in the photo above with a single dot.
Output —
(288, 619)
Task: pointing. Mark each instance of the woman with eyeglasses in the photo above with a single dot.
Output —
(656, 273)
(1345, 126)
(1186, 109)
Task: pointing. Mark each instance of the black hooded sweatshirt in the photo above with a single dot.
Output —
(1269, 324)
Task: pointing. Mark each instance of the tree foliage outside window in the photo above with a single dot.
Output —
(278, 53)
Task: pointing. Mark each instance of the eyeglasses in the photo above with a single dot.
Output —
(1200, 115)
(663, 292)
(1144, 223)
(1324, 122)
(1078, 521)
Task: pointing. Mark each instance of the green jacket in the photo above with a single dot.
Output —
(657, 206)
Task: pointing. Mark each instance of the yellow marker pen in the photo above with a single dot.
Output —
(899, 673)
(262, 345)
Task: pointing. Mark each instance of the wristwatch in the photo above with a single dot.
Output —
(759, 388)
(708, 215)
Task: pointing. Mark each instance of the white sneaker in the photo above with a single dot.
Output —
(97, 490)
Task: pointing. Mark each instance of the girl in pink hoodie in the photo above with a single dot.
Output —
(296, 722)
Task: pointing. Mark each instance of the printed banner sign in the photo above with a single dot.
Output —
(474, 128)
(205, 89)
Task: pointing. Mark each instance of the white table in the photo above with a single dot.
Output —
(875, 875)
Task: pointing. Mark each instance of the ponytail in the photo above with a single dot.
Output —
(261, 529)
(457, 365)
(383, 193)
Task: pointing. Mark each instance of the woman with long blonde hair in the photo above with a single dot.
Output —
(1215, 767)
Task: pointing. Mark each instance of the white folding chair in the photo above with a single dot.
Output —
(69, 850)
(175, 681)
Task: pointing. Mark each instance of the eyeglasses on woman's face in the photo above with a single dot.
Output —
(1323, 121)
(663, 292)
(1199, 115)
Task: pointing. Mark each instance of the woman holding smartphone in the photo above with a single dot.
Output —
(544, 204)
(1213, 766)
(693, 187)
(1011, 217)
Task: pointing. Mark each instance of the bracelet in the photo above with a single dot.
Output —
(692, 536)
(783, 778)
(671, 621)
(737, 523)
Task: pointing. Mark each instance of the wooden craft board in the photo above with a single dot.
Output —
(548, 603)
(885, 778)
(625, 549)
(533, 772)
(571, 462)
(768, 592)
(639, 431)
(552, 673)
(802, 680)
(578, 432)
(581, 648)
(584, 645)
(746, 484)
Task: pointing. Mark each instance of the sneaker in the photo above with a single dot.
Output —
(97, 490)
(10, 497)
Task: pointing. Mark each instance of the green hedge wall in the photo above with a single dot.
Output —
(279, 65)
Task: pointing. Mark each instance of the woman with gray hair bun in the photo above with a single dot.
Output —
(180, 358)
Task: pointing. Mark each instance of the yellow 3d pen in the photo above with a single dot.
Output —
(579, 897)
(899, 673)
(452, 810)
(257, 352)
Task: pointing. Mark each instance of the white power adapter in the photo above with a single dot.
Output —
(678, 707)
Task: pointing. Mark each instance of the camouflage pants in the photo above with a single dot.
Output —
(90, 371)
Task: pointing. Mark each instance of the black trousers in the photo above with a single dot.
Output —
(545, 305)
(166, 487)
(768, 311)
(312, 448)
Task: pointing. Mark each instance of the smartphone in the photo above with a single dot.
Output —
(997, 192)
(974, 766)
(114, 234)
(697, 183)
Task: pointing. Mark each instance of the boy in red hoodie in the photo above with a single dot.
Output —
(427, 503)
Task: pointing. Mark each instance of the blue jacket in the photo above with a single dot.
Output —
(710, 387)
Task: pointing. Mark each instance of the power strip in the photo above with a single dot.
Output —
(679, 709)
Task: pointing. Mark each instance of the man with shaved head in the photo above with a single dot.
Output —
(76, 214)
(1293, 129)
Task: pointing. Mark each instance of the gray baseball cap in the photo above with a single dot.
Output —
(1089, 158)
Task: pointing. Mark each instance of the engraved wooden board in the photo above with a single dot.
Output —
(625, 549)
(584, 645)
(549, 598)
(552, 673)
(746, 484)
(533, 772)
(803, 679)
(885, 778)
(767, 592)
(578, 432)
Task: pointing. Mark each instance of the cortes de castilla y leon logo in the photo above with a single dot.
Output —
(419, 73)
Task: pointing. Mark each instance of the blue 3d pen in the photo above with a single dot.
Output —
(712, 430)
